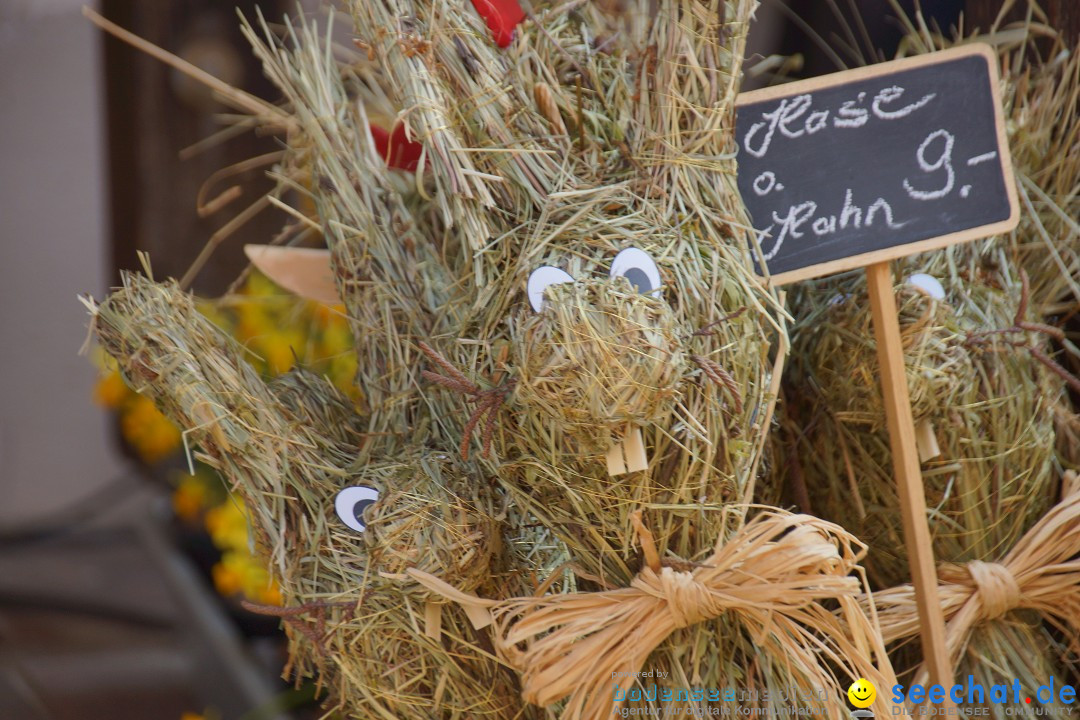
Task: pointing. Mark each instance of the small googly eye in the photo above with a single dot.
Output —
(351, 503)
(636, 266)
(928, 284)
(541, 279)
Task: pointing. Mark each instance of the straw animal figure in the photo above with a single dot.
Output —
(290, 449)
(624, 183)
(1040, 81)
(612, 354)
(608, 292)
(983, 403)
(342, 503)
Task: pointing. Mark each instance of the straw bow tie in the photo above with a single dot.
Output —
(771, 575)
(1041, 573)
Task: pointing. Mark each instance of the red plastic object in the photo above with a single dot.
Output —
(501, 16)
(396, 149)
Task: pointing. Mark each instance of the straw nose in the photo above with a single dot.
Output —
(599, 362)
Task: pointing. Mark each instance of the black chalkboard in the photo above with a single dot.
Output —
(875, 163)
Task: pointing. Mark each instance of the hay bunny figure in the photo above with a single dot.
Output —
(572, 258)
(610, 351)
(341, 503)
(339, 514)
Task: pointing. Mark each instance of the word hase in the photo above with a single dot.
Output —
(795, 118)
(803, 218)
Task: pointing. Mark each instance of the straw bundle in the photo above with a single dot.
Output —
(983, 403)
(987, 407)
(382, 646)
(389, 273)
(1044, 139)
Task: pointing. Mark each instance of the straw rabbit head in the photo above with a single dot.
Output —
(621, 340)
(339, 515)
(336, 513)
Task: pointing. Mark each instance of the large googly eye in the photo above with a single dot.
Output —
(351, 503)
(636, 266)
(541, 279)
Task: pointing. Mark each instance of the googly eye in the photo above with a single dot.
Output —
(928, 284)
(351, 503)
(541, 279)
(636, 266)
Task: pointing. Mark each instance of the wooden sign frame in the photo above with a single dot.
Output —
(880, 70)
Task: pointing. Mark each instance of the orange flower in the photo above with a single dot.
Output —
(111, 391)
(149, 432)
(228, 580)
(190, 498)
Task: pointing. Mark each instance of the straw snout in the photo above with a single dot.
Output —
(417, 513)
(598, 359)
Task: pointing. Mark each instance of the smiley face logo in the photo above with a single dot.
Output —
(861, 694)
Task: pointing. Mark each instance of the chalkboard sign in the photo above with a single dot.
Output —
(868, 165)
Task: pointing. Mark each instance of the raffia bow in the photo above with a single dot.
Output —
(1041, 573)
(773, 575)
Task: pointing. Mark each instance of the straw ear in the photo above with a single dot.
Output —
(697, 72)
(453, 84)
(391, 276)
(263, 442)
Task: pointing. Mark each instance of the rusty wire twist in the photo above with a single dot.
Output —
(487, 401)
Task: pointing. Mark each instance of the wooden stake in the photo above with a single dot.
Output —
(908, 474)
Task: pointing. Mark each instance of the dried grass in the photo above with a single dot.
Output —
(287, 449)
(590, 134)
(981, 375)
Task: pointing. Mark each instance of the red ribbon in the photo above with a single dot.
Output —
(501, 16)
(396, 149)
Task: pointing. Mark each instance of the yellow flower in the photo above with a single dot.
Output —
(228, 526)
(228, 580)
(342, 372)
(190, 498)
(335, 339)
(149, 432)
(111, 391)
(192, 716)
(281, 350)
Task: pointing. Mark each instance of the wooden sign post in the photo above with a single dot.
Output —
(864, 166)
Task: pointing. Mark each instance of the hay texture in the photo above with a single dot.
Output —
(287, 449)
(986, 402)
(987, 378)
(591, 134)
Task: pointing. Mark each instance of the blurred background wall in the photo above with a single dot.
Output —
(55, 447)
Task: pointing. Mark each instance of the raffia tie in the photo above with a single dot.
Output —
(995, 587)
(1041, 573)
(772, 576)
(687, 600)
